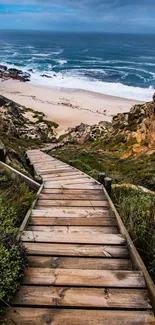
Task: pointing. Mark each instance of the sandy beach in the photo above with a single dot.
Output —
(66, 107)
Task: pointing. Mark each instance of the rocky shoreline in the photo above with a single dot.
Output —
(12, 73)
(16, 74)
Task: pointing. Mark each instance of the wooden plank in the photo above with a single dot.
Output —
(37, 159)
(51, 221)
(79, 263)
(50, 164)
(64, 178)
(72, 203)
(82, 197)
(70, 212)
(71, 182)
(54, 161)
(85, 186)
(87, 278)
(40, 316)
(104, 251)
(52, 170)
(73, 175)
(77, 192)
(82, 230)
(76, 209)
(82, 297)
(57, 174)
(77, 238)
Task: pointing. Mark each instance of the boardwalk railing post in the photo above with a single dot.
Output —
(2, 152)
(101, 178)
(107, 184)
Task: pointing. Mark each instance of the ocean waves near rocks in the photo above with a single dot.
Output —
(112, 64)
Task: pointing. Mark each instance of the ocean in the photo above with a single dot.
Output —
(114, 64)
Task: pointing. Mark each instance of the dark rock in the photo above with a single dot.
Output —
(13, 73)
(45, 76)
(154, 97)
(3, 68)
(3, 101)
(2, 152)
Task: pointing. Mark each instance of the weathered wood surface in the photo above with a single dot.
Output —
(60, 221)
(58, 249)
(84, 238)
(88, 278)
(41, 316)
(89, 212)
(77, 257)
(72, 203)
(72, 197)
(82, 297)
(82, 230)
(79, 263)
(85, 186)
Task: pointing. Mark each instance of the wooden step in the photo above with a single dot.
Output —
(54, 170)
(41, 316)
(82, 230)
(73, 203)
(75, 238)
(78, 181)
(86, 186)
(72, 196)
(79, 263)
(89, 212)
(82, 297)
(64, 176)
(75, 209)
(51, 221)
(75, 192)
(87, 278)
(110, 251)
(73, 175)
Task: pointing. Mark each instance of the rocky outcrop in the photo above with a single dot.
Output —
(25, 123)
(84, 132)
(138, 124)
(136, 130)
(13, 73)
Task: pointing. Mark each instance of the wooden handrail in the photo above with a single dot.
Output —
(30, 182)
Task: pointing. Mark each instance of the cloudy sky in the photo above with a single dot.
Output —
(84, 15)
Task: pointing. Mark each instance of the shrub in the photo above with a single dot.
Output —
(137, 210)
(15, 199)
(12, 264)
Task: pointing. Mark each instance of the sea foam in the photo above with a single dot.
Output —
(69, 81)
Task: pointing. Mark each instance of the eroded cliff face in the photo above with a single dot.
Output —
(21, 122)
(138, 124)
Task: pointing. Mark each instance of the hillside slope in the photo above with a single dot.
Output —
(124, 149)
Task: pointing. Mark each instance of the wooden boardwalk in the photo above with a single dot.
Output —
(80, 271)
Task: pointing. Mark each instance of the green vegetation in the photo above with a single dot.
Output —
(137, 210)
(15, 200)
